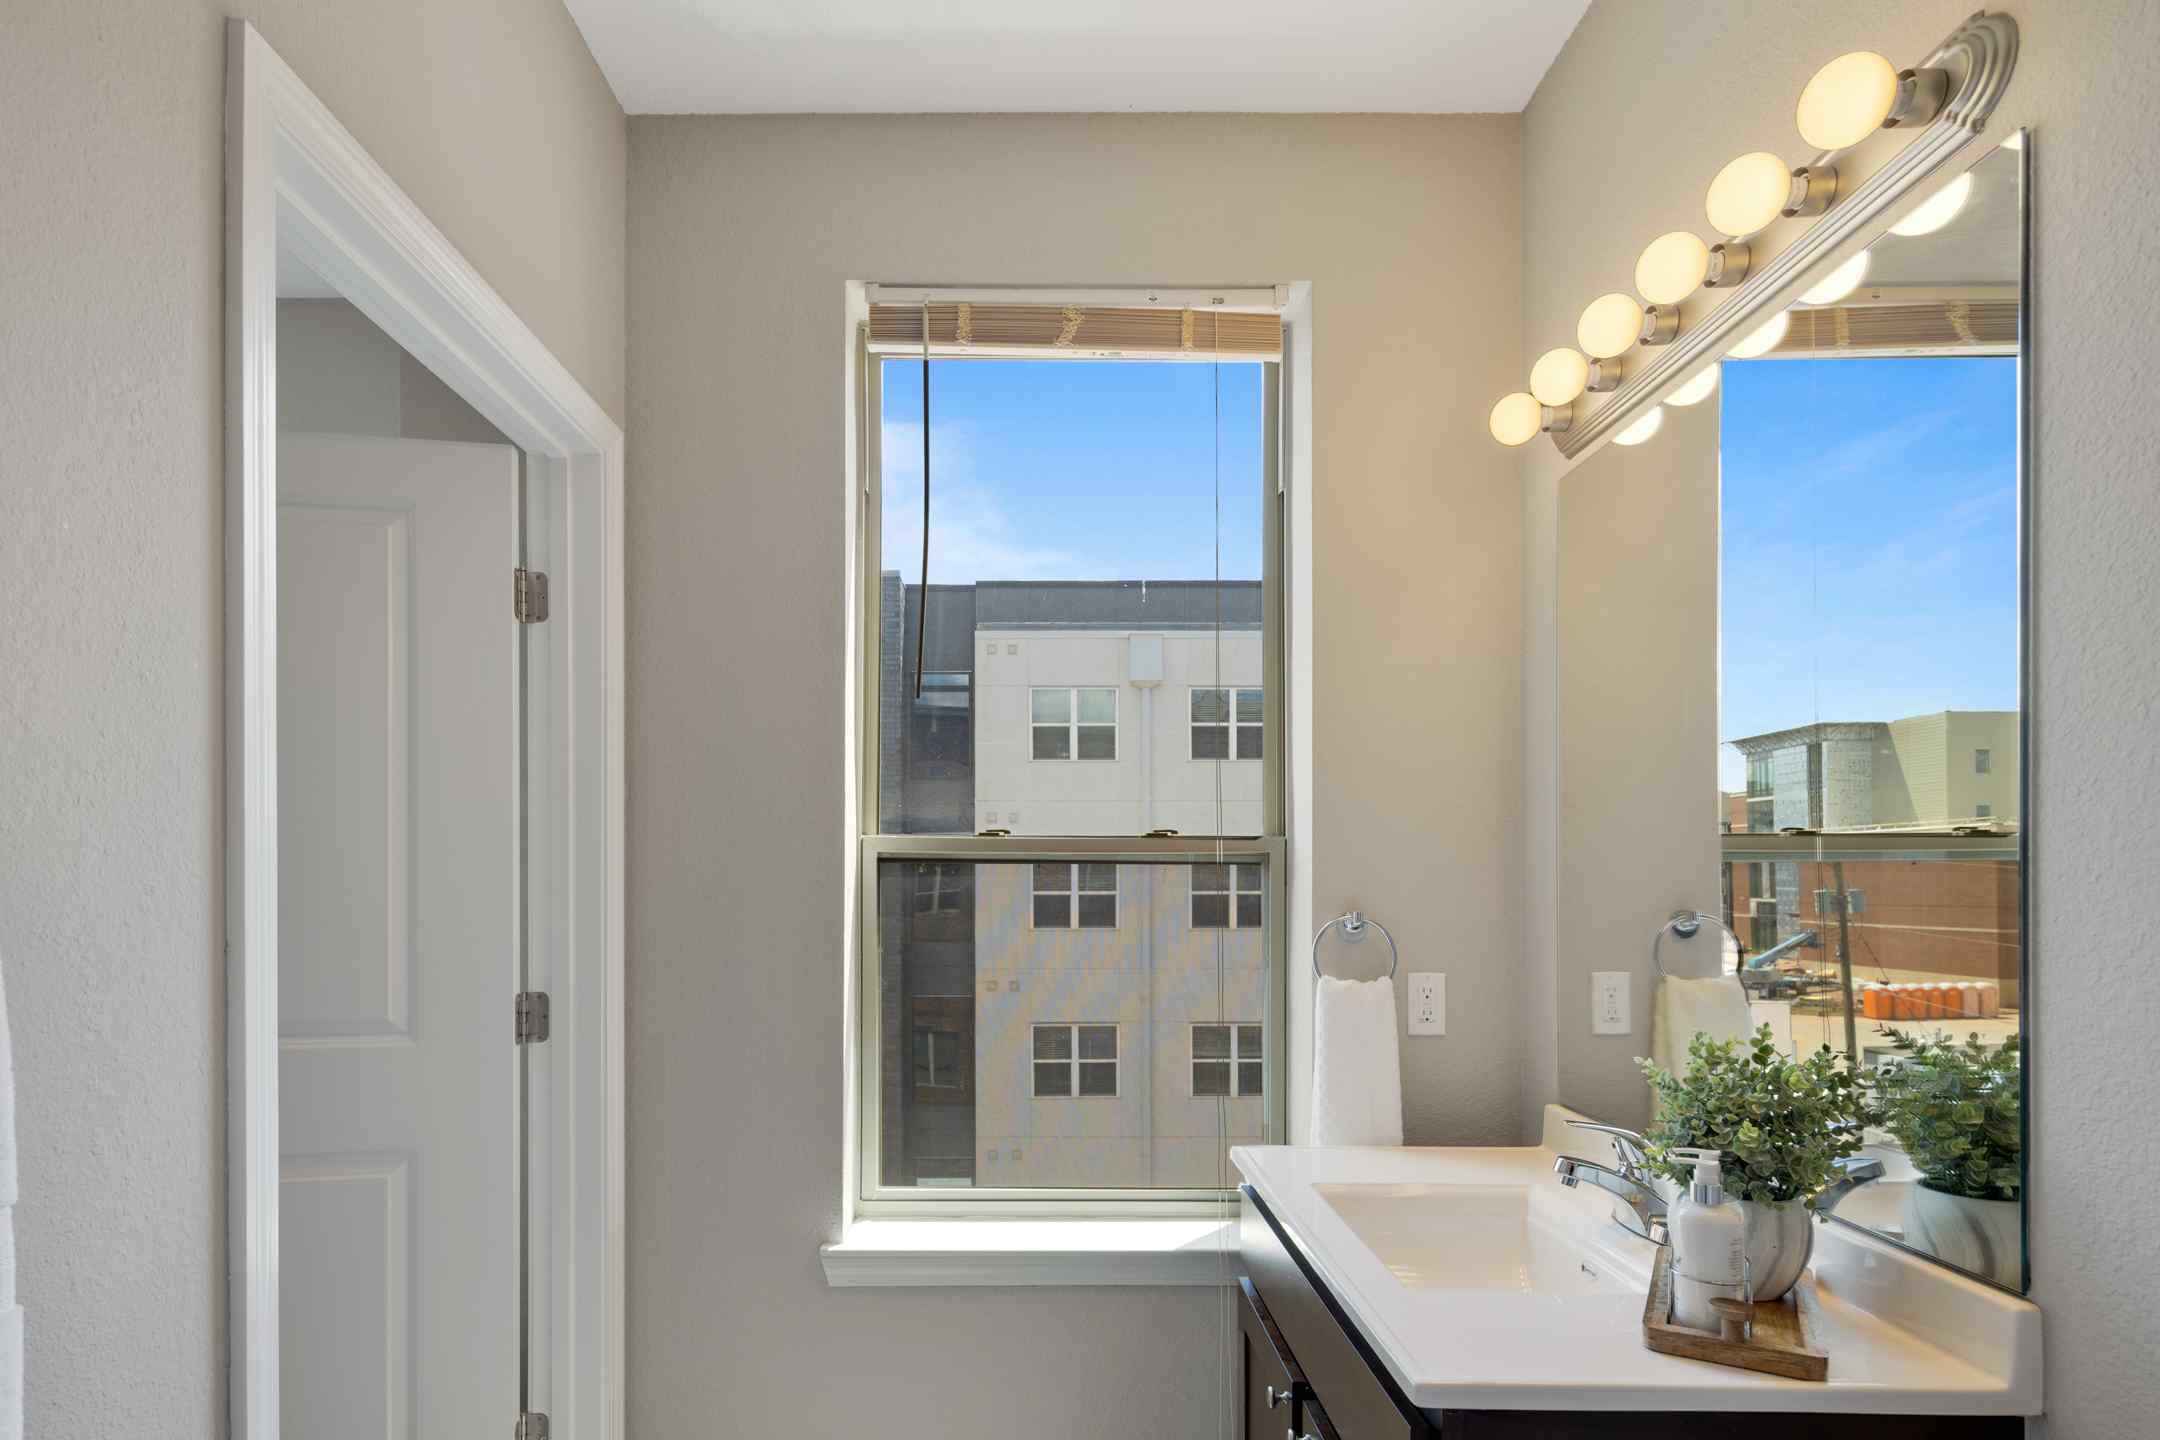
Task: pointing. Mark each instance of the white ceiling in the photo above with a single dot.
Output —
(964, 56)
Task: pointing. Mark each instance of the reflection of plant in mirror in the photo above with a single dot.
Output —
(1783, 1124)
(1954, 1109)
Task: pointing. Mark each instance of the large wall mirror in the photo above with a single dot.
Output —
(1799, 593)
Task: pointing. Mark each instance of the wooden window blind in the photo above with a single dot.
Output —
(1937, 325)
(1082, 329)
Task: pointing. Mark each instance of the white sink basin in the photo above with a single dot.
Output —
(1466, 1237)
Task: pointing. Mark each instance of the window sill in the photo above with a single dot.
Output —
(1033, 1252)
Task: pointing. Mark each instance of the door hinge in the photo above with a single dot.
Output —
(531, 1425)
(529, 596)
(532, 1027)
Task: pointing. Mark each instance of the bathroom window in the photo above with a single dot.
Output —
(1076, 1060)
(1054, 889)
(1075, 897)
(1227, 1060)
(1073, 723)
(1227, 897)
(1227, 723)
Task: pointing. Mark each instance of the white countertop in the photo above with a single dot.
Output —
(1904, 1336)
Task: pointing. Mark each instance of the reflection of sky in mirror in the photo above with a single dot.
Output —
(1074, 470)
(1869, 559)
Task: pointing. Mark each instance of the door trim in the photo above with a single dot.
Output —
(292, 172)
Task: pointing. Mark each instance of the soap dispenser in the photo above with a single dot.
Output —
(1709, 1244)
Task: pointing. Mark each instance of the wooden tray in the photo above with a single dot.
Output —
(1784, 1342)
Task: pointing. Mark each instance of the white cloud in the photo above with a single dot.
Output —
(972, 536)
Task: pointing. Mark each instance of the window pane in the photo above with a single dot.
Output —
(1249, 707)
(1210, 912)
(1210, 742)
(1248, 742)
(1052, 743)
(1098, 707)
(990, 1029)
(1051, 706)
(1210, 707)
(1211, 877)
(1250, 1079)
(1211, 1077)
(1248, 878)
(1249, 912)
(1098, 742)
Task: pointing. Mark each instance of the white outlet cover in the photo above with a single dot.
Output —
(1428, 1003)
(1611, 1010)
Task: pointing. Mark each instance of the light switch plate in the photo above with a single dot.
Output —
(1428, 1003)
(1610, 1012)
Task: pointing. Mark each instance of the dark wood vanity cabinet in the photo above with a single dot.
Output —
(1295, 1338)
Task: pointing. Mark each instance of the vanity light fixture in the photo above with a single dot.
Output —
(1938, 209)
(1728, 265)
(1748, 194)
(1672, 267)
(1559, 376)
(1838, 284)
(1660, 323)
(1761, 340)
(1859, 93)
(1517, 419)
(1610, 326)
(1604, 375)
(1694, 390)
(1643, 428)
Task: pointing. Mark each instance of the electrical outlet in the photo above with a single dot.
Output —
(1428, 1003)
(1610, 1013)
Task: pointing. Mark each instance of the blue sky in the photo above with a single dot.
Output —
(1869, 564)
(1079, 470)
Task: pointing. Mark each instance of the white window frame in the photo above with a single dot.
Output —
(1072, 893)
(1074, 1059)
(870, 1198)
(1073, 724)
(1231, 877)
(1230, 725)
(1236, 1060)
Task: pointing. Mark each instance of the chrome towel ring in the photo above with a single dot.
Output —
(1686, 924)
(1354, 925)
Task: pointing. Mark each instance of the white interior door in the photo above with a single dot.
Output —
(398, 938)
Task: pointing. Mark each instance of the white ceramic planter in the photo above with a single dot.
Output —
(1983, 1236)
(1779, 1240)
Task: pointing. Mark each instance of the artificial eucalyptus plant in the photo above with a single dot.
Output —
(1954, 1109)
(1783, 1125)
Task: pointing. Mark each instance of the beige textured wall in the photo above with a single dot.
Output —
(744, 233)
(1617, 149)
(493, 115)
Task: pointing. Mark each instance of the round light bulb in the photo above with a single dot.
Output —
(1847, 101)
(1559, 376)
(1748, 194)
(1696, 389)
(1642, 429)
(1937, 210)
(1672, 267)
(1761, 340)
(1839, 283)
(1517, 419)
(1610, 324)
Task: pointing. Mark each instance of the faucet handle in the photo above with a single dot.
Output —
(1629, 1144)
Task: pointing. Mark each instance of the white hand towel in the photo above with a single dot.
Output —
(1716, 1006)
(1357, 1080)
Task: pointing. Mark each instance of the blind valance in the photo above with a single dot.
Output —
(1083, 329)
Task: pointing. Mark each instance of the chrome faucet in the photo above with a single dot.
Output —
(1855, 1171)
(1637, 1198)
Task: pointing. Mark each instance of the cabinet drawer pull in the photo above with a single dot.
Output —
(1277, 1397)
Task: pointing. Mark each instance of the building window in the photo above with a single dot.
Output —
(942, 889)
(1073, 895)
(1981, 761)
(1226, 1061)
(1226, 897)
(937, 1060)
(1076, 1060)
(1226, 723)
(1073, 723)
(1983, 811)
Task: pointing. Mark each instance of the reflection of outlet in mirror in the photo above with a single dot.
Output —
(1428, 1003)
(1609, 1010)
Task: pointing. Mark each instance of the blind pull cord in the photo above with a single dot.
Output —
(922, 591)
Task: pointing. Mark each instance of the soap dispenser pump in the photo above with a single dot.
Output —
(1709, 1244)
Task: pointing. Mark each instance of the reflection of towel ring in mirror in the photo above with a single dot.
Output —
(1354, 926)
(1687, 924)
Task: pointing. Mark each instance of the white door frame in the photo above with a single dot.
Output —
(293, 173)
